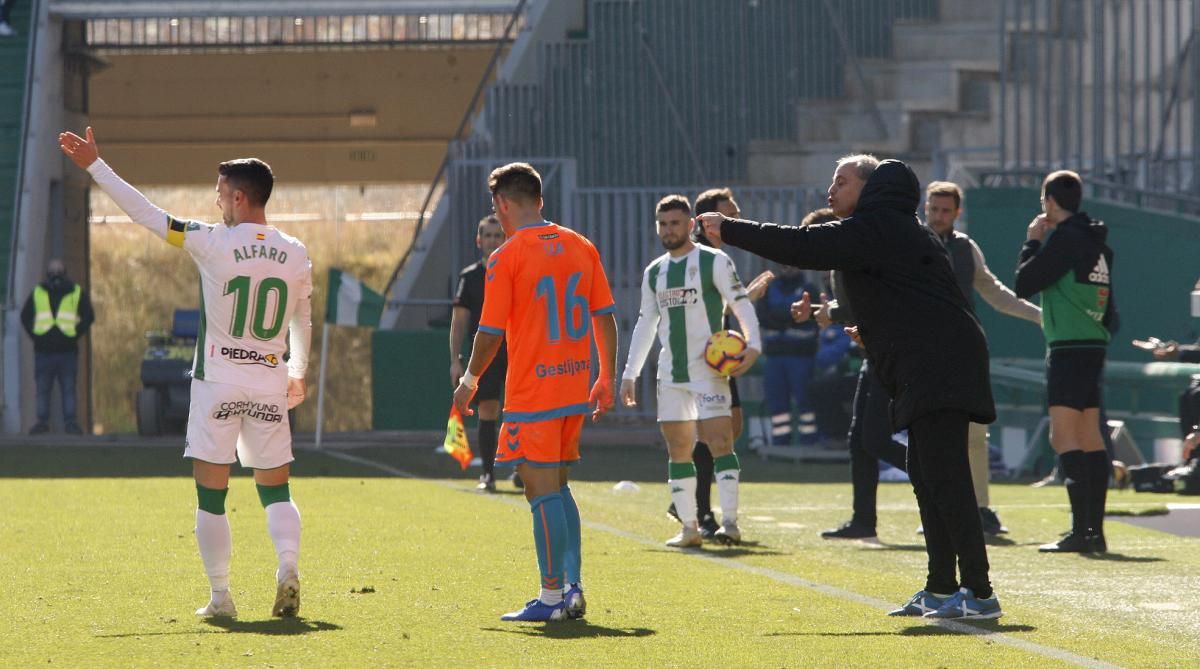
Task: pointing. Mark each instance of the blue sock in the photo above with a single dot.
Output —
(572, 555)
(550, 539)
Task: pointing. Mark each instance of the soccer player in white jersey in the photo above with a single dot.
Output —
(255, 289)
(685, 293)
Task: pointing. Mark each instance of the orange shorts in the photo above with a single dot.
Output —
(545, 443)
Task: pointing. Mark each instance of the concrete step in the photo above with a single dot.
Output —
(934, 85)
(786, 163)
(933, 131)
(969, 10)
(946, 41)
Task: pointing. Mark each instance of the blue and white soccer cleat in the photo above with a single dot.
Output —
(921, 603)
(965, 605)
(576, 604)
(537, 612)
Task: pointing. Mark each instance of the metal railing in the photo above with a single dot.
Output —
(1106, 88)
(218, 32)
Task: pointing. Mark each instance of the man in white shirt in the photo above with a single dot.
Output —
(685, 293)
(255, 300)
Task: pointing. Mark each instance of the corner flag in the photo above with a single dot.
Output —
(456, 439)
(350, 302)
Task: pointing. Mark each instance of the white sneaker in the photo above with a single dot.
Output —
(218, 607)
(6, 30)
(287, 596)
(688, 536)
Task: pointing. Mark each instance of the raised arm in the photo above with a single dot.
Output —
(998, 295)
(833, 245)
(1042, 263)
(84, 152)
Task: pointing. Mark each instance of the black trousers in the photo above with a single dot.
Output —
(6, 9)
(941, 476)
(870, 441)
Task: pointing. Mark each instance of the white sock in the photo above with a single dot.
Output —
(216, 548)
(683, 494)
(283, 524)
(551, 597)
(727, 492)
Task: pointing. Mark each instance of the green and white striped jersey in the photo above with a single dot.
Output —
(684, 300)
(255, 290)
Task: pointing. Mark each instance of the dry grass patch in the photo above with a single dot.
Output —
(138, 281)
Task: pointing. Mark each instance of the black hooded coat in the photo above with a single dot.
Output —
(920, 336)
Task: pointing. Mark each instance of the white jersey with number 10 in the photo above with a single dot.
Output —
(255, 287)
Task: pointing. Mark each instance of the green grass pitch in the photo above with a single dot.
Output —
(98, 567)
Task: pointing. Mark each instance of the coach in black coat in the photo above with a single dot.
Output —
(922, 341)
(918, 331)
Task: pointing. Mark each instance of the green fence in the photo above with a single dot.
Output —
(1156, 264)
(410, 384)
(14, 55)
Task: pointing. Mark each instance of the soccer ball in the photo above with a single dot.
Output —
(723, 349)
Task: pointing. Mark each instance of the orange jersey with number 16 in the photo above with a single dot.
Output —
(543, 286)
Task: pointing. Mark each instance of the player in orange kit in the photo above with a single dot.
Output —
(547, 296)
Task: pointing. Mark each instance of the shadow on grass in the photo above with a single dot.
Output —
(574, 629)
(711, 551)
(1118, 557)
(511, 492)
(274, 626)
(933, 629)
(894, 547)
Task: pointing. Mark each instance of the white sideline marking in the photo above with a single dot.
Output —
(779, 576)
(338, 455)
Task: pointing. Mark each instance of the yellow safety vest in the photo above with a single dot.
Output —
(66, 318)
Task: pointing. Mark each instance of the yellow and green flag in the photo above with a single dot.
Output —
(456, 439)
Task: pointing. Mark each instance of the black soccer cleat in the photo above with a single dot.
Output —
(708, 526)
(673, 514)
(991, 522)
(1072, 542)
(850, 530)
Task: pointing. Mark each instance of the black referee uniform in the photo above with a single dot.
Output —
(469, 295)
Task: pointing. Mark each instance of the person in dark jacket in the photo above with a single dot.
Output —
(1072, 269)
(57, 313)
(923, 343)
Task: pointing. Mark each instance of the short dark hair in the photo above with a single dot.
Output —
(819, 216)
(516, 181)
(251, 176)
(673, 203)
(1066, 188)
(487, 220)
(708, 200)
(945, 189)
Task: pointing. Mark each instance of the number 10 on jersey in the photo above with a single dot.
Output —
(242, 291)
